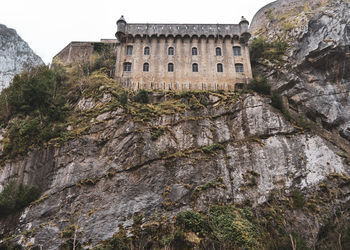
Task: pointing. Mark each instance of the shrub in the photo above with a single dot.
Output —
(298, 199)
(234, 226)
(191, 221)
(261, 49)
(142, 96)
(212, 148)
(123, 97)
(276, 101)
(16, 196)
(260, 85)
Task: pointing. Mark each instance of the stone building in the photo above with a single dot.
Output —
(175, 56)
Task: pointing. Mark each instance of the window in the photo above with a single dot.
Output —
(146, 67)
(146, 51)
(237, 51)
(218, 51)
(194, 51)
(220, 68)
(171, 51)
(170, 67)
(127, 66)
(129, 50)
(239, 67)
(195, 67)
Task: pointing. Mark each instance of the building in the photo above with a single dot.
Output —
(176, 56)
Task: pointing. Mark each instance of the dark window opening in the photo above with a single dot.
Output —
(127, 66)
(220, 68)
(195, 67)
(146, 67)
(129, 50)
(194, 51)
(237, 51)
(146, 51)
(170, 67)
(218, 51)
(239, 67)
(171, 51)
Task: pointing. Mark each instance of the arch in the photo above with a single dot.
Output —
(170, 67)
(237, 51)
(195, 67)
(194, 51)
(218, 51)
(171, 51)
(239, 67)
(146, 67)
(146, 50)
(127, 66)
(219, 67)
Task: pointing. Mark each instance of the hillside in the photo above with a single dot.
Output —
(15, 55)
(102, 167)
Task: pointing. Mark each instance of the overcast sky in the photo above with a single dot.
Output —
(49, 25)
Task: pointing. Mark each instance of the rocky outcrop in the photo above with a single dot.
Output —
(119, 168)
(15, 55)
(313, 74)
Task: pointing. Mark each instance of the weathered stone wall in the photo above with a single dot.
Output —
(76, 52)
(158, 76)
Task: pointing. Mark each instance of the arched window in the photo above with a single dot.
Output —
(146, 51)
(129, 50)
(218, 51)
(195, 67)
(219, 67)
(170, 67)
(237, 51)
(146, 67)
(171, 51)
(127, 66)
(239, 67)
(194, 51)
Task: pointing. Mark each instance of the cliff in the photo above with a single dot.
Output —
(15, 55)
(189, 170)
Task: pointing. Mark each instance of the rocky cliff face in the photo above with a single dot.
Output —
(15, 55)
(314, 74)
(234, 150)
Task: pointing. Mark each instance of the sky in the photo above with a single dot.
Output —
(49, 25)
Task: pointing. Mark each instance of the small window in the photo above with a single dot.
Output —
(129, 50)
(237, 51)
(194, 51)
(146, 67)
(171, 51)
(170, 67)
(146, 51)
(195, 67)
(218, 51)
(127, 66)
(239, 67)
(220, 68)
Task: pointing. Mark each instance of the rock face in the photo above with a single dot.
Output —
(314, 74)
(118, 169)
(15, 55)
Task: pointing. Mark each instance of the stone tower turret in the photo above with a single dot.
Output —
(121, 29)
(244, 27)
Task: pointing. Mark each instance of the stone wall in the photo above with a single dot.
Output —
(182, 78)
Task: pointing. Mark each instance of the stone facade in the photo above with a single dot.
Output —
(183, 56)
(175, 56)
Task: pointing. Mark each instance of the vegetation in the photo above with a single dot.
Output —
(210, 149)
(261, 50)
(260, 85)
(142, 96)
(16, 196)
